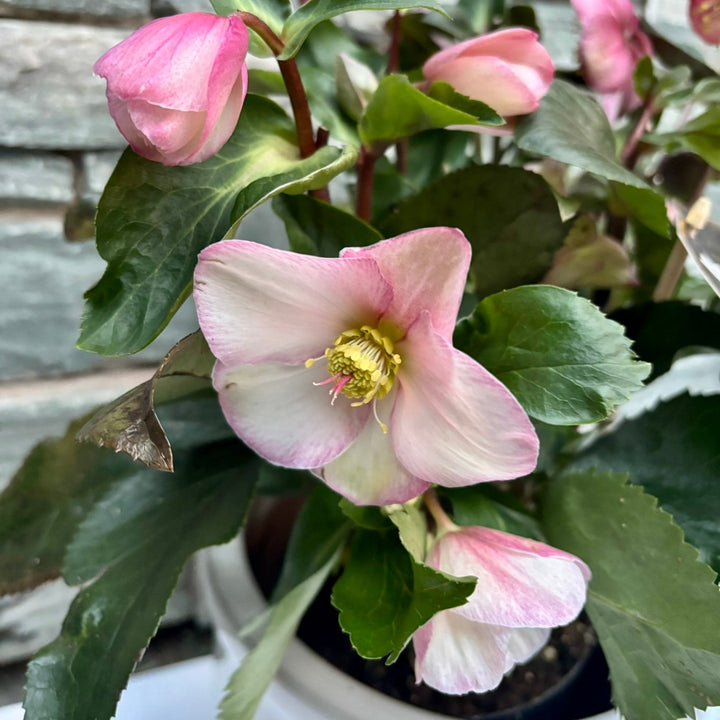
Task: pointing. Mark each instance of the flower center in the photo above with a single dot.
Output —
(362, 364)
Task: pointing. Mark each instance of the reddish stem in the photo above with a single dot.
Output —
(630, 152)
(394, 52)
(366, 171)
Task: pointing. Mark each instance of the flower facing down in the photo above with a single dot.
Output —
(705, 19)
(611, 43)
(509, 70)
(345, 366)
(524, 588)
(176, 86)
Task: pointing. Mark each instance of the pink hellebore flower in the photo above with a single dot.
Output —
(374, 326)
(611, 43)
(705, 20)
(524, 588)
(509, 70)
(176, 86)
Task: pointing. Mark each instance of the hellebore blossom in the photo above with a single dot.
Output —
(611, 43)
(524, 588)
(705, 20)
(374, 327)
(509, 70)
(176, 86)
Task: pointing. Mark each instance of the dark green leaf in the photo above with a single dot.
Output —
(673, 452)
(316, 228)
(509, 215)
(556, 352)
(130, 425)
(139, 537)
(366, 516)
(660, 330)
(249, 682)
(318, 534)
(571, 127)
(398, 110)
(312, 13)
(384, 595)
(153, 220)
(655, 608)
(487, 506)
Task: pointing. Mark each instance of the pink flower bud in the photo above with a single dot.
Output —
(705, 20)
(509, 70)
(176, 86)
(611, 43)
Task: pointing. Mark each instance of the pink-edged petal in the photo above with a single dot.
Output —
(589, 10)
(521, 582)
(171, 132)
(427, 269)
(277, 411)
(524, 644)
(490, 80)
(259, 304)
(606, 57)
(138, 142)
(454, 423)
(368, 472)
(456, 655)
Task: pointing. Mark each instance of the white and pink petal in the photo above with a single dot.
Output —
(259, 304)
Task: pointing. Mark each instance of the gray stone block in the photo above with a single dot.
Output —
(35, 178)
(97, 168)
(42, 281)
(105, 8)
(48, 94)
(170, 7)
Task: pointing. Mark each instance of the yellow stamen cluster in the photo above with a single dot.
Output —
(368, 359)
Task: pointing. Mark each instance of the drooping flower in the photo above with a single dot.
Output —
(611, 43)
(705, 19)
(524, 588)
(374, 327)
(509, 70)
(176, 86)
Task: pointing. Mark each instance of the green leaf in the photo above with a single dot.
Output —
(384, 595)
(369, 517)
(249, 682)
(316, 228)
(398, 110)
(271, 12)
(45, 501)
(153, 220)
(411, 523)
(139, 537)
(700, 135)
(312, 13)
(556, 352)
(445, 93)
(509, 215)
(673, 452)
(571, 127)
(318, 534)
(487, 506)
(660, 330)
(129, 424)
(655, 608)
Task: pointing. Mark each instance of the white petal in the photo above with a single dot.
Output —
(259, 304)
(454, 423)
(524, 644)
(279, 413)
(368, 472)
(456, 656)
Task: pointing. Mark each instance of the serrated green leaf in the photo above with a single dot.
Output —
(556, 352)
(153, 220)
(316, 228)
(399, 110)
(318, 534)
(383, 595)
(411, 523)
(509, 215)
(571, 127)
(654, 606)
(129, 423)
(366, 516)
(139, 536)
(299, 25)
(445, 93)
(660, 330)
(673, 452)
